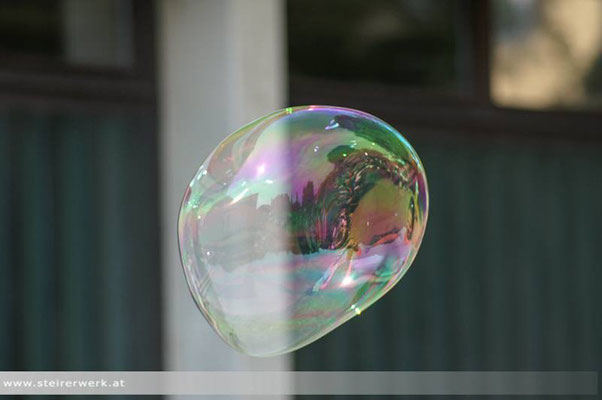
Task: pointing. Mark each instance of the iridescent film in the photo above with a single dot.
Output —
(298, 222)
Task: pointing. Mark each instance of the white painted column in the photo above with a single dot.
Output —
(221, 65)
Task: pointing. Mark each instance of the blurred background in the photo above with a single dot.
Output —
(108, 107)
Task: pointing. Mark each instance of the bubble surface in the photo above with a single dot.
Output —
(298, 222)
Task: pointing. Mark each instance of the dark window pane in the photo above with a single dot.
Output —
(73, 32)
(404, 42)
(547, 54)
(31, 27)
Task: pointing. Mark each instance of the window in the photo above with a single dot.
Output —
(501, 55)
(547, 54)
(408, 43)
(68, 32)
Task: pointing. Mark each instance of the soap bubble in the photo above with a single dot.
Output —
(298, 222)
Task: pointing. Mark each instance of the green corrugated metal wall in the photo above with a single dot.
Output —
(79, 265)
(508, 275)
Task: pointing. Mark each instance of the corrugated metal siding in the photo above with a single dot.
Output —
(508, 274)
(79, 269)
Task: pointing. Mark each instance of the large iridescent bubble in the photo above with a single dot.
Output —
(298, 222)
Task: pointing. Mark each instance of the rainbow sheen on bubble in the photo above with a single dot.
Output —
(298, 222)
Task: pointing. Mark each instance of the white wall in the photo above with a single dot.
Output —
(221, 65)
